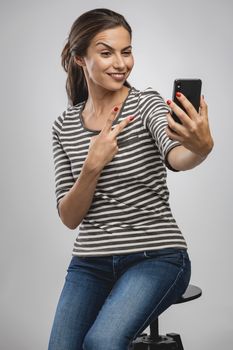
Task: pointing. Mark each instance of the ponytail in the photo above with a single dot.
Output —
(76, 86)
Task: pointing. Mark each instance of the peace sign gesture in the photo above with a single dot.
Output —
(103, 147)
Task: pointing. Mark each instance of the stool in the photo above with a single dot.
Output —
(171, 341)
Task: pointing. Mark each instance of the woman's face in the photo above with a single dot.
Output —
(109, 59)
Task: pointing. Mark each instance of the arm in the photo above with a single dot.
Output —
(76, 203)
(194, 135)
(181, 158)
(153, 112)
(73, 197)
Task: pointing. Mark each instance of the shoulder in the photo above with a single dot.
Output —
(149, 91)
(150, 99)
(70, 113)
(150, 94)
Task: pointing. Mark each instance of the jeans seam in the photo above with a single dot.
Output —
(173, 284)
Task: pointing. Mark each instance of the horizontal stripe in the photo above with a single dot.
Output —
(132, 238)
(118, 251)
(114, 245)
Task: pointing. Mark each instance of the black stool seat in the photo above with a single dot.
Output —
(191, 293)
(171, 341)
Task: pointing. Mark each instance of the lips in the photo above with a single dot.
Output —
(117, 76)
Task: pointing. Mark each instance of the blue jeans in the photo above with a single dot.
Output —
(107, 301)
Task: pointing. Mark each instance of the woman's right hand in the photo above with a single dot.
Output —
(103, 147)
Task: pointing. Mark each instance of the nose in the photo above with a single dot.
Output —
(119, 62)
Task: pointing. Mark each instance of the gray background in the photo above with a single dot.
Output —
(171, 39)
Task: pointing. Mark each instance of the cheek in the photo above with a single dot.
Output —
(97, 65)
(91, 66)
(130, 63)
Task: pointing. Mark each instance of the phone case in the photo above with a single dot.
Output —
(190, 88)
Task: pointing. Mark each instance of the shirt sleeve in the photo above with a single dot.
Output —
(153, 111)
(63, 175)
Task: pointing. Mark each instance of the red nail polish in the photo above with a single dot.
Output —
(169, 102)
(178, 94)
(131, 117)
(115, 109)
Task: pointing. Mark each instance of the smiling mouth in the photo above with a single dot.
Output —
(117, 76)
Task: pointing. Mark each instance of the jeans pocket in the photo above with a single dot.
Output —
(168, 255)
(75, 262)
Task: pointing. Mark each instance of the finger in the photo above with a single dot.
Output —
(119, 127)
(190, 109)
(184, 118)
(174, 126)
(203, 107)
(108, 125)
(173, 135)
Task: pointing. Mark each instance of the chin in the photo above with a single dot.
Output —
(113, 87)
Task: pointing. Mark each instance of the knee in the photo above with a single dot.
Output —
(103, 341)
(94, 342)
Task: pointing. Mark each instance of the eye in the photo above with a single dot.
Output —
(127, 53)
(105, 53)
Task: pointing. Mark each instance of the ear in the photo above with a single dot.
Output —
(79, 60)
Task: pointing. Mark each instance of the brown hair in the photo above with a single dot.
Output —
(82, 32)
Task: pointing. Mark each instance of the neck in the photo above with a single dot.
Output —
(102, 101)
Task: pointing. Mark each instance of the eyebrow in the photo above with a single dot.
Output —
(111, 48)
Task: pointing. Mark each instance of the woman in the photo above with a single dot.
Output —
(111, 148)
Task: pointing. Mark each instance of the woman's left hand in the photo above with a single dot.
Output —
(194, 132)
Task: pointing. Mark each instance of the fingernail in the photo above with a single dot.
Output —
(178, 94)
(131, 117)
(115, 109)
(169, 102)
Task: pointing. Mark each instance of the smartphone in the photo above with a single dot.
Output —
(191, 89)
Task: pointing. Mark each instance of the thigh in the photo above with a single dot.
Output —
(84, 292)
(143, 291)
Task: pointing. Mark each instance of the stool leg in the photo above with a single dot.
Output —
(154, 329)
(154, 341)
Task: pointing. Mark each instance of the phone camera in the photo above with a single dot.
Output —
(179, 86)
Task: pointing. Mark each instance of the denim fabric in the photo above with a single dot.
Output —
(107, 301)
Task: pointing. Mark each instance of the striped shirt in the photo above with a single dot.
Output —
(130, 210)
